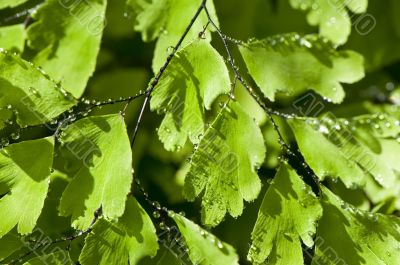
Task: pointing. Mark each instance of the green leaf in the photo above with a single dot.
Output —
(12, 37)
(11, 3)
(56, 258)
(331, 16)
(320, 159)
(10, 243)
(288, 215)
(293, 64)
(223, 169)
(353, 155)
(131, 238)
(165, 255)
(204, 248)
(346, 235)
(29, 93)
(27, 183)
(67, 36)
(194, 79)
(99, 159)
(150, 17)
(182, 11)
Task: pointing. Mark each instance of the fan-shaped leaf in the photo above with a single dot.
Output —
(287, 216)
(67, 36)
(225, 163)
(292, 64)
(27, 183)
(150, 17)
(30, 94)
(195, 78)
(130, 238)
(204, 248)
(342, 152)
(99, 159)
(346, 235)
(157, 18)
(331, 16)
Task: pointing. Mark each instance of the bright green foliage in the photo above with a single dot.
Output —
(331, 16)
(353, 146)
(30, 94)
(131, 238)
(98, 151)
(346, 235)
(288, 214)
(11, 3)
(66, 163)
(150, 17)
(292, 64)
(204, 248)
(222, 168)
(56, 258)
(12, 37)
(67, 37)
(195, 78)
(27, 183)
(168, 30)
(320, 159)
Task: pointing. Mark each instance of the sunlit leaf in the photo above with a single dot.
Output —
(354, 155)
(129, 239)
(287, 217)
(332, 16)
(222, 170)
(27, 183)
(99, 160)
(182, 11)
(346, 235)
(292, 64)
(195, 78)
(67, 36)
(28, 93)
(204, 248)
(150, 17)
(12, 37)
(11, 3)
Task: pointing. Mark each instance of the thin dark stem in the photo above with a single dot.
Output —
(26, 12)
(93, 106)
(156, 79)
(270, 112)
(97, 214)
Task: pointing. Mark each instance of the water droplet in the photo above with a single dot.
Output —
(157, 205)
(305, 43)
(34, 91)
(15, 136)
(162, 226)
(323, 129)
(219, 244)
(331, 21)
(156, 214)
